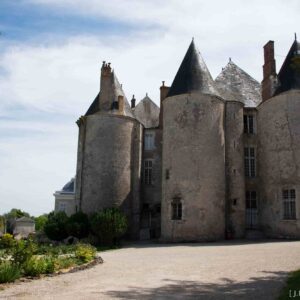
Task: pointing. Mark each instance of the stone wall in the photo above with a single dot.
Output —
(193, 167)
(109, 165)
(235, 173)
(279, 161)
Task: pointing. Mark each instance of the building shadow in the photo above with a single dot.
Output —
(267, 287)
(158, 244)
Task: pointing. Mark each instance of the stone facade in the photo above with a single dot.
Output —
(214, 161)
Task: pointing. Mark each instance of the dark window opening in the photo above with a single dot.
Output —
(289, 204)
(176, 209)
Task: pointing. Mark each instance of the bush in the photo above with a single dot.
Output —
(78, 225)
(109, 225)
(22, 251)
(8, 272)
(7, 241)
(85, 253)
(55, 227)
(64, 262)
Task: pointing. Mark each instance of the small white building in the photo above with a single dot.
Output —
(65, 199)
(24, 226)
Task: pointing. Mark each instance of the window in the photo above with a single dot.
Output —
(148, 164)
(62, 207)
(249, 124)
(176, 209)
(251, 202)
(289, 204)
(249, 157)
(149, 141)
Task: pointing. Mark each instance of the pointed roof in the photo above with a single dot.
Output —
(192, 75)
(147, 113)
(289, 74)
(234, 83)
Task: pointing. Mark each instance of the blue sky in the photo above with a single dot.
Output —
(50, 57)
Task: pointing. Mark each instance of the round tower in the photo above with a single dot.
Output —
(193, 184)
(279, 152)
(109, 153)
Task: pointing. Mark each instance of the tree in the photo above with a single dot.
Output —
(40, 222)
(109, 225)
(55, 227)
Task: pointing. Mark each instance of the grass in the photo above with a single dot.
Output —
(292, 286)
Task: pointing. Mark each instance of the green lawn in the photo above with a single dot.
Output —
(292, 286)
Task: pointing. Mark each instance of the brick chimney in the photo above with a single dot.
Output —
(106, 92)
(163, 94)
(269, 69)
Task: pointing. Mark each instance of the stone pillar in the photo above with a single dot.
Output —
(163, 94)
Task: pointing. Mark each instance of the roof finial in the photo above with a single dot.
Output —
(146, 94)
(295, 36)
(163, 83)
(192, 39)
(229, 59)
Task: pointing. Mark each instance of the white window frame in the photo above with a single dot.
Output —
(149, 141)
(250, 161)
(289, 204)
(148, 171)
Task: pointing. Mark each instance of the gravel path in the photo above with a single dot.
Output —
(229, 270)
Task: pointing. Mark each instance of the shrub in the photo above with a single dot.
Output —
(7, 241)
(22, 251)
(85, 253)
(64, 262)
(55, 227)
(8, 272)
(78, 225)
(109, 225)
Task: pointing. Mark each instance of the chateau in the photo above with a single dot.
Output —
(217, 159)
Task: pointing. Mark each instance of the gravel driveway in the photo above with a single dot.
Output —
(229, 270)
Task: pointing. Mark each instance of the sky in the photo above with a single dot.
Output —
(51, 52)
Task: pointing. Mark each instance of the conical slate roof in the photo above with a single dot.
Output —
(147, 113)
(234, 83)
(192, 75)
(289, 74)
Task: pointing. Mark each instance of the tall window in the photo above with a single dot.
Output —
(249, 124)
(176, 209)
(148, 164)
(149, 141)
(249, 157)
(251, 202)
(289, 204)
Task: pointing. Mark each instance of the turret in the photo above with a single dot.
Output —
(193, 172)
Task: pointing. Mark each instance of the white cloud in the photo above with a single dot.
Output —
(63, 77)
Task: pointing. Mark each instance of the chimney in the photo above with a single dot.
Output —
(133, 102)
(121, 104)
(269, 69)
(163, 95)
(106, 80)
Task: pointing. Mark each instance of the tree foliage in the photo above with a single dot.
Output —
(109, 225)
(55, 227)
